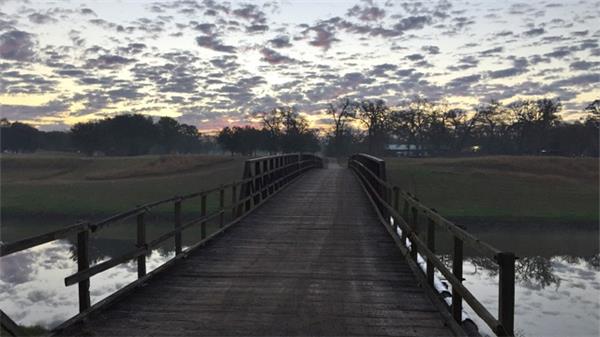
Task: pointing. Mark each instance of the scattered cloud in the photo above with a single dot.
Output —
(212, 42)
(17, 45)
(215, 61)
(273, 57)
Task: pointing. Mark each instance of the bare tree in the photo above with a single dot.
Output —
(341, 112)
(375, 116)
(462, 127)
(288, 131)
(413, 121)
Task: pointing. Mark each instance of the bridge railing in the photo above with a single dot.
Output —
(262, 178)
(403, 224)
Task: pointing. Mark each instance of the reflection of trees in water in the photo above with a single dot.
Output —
(592, 262)
(535, 272)
(102, 249)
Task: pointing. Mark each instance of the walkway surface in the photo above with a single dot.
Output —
(313, 260)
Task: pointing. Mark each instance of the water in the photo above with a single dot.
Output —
(32, 290)
(557, 288)
(559, 296)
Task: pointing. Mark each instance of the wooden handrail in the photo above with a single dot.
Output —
(439, 220)
(272, 178)
(9, 326)
(380, 192)
(17, 246)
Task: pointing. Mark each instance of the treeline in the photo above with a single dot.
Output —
(283, 130)
(420, 127)
(20, 137)
(123, 135)
(427, 128)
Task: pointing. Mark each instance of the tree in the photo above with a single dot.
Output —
(169, 133)
(226, 141)
(462, 128)
(413, 122)
(243, 140)
(129, 135)
(492, 122)
(18, 137)
(288, 131)
(341, 112)
(375, 116)
(533, 122)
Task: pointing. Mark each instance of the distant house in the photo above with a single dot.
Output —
(405, 150)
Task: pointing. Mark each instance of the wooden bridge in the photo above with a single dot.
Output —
(300, 250)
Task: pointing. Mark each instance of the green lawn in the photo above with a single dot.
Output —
(503, 187)
(42, 192)
(72, 187)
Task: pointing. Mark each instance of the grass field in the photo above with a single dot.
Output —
(504, 188)
(42, 192)
(73, 186)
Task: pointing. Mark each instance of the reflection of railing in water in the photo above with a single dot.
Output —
(387, 198)
(262, 178)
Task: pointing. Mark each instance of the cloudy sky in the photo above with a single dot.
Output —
(212, 63)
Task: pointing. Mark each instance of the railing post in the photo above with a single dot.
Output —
(257, 184)
(271, 175)
(407, 220)
(177, 222)
(83, 263)
(233, 201)
(222, 206)
(457, 270)
(431, 247)
(396, 207)
(141, 243)
(415, 229)
(506, 307)
(203, 213)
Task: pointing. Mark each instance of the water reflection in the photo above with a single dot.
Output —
(32, 290)
(546, 288)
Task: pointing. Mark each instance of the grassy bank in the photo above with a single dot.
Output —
(71, 187)
(503, 188)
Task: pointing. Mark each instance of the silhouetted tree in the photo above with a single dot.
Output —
(130, 135)
(375, 116)
(341, 113)
(18, 137)
(412, 123)
(289, 131)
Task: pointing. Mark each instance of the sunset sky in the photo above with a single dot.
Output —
(212, 63)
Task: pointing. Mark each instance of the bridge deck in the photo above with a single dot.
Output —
(312, 261)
